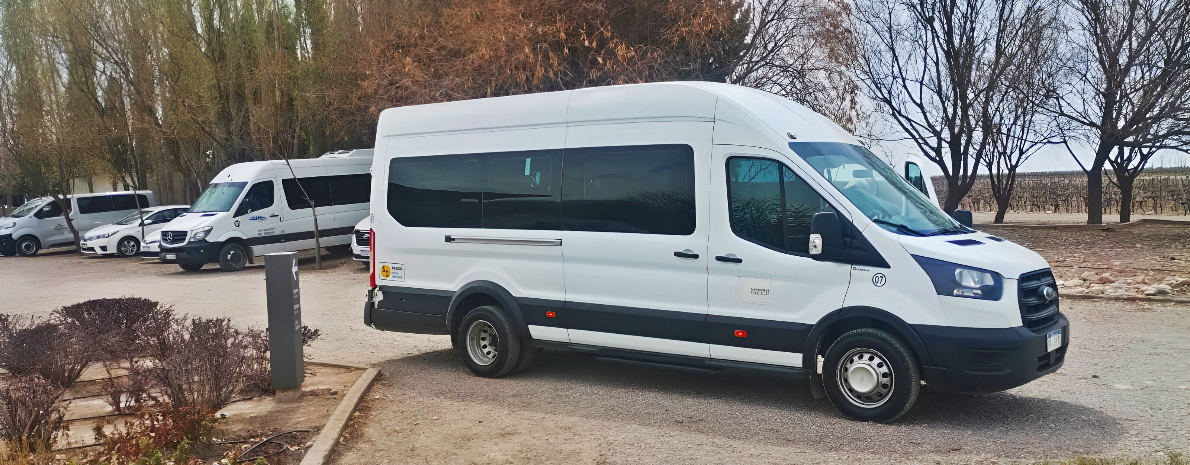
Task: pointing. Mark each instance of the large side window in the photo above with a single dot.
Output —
(770, 204)
(128, 202)
(259, 197)
(435, 192)
(640, 189)
(318, 188)
(522, 191)
(98, 204)
(351, 189)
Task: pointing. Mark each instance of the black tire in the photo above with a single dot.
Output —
(233, 257)
(872, 357)
(528, 355)
(191, 266)
(129, 245)
(475, 337)
(28, 246)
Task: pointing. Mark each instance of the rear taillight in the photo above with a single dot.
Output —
(372, 257)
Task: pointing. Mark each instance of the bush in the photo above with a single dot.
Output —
(149, 437)
(30, 415)
(47, 348)
(202, 363)
(260, 373)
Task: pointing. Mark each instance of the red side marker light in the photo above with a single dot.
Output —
(550, 314)
(741, 333)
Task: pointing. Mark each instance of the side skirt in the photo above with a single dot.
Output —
(677, 362)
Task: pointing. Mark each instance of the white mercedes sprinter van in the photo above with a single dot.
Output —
(258, 207)
(698, 225)
(39, 223)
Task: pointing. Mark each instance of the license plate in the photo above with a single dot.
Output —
(174, 256)
(1053, 340)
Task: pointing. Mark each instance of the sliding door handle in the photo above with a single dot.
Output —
(729, 258)
(686, 254)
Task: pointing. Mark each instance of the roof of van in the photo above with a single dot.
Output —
(663, 101)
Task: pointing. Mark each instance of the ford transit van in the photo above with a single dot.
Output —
(40, 223)
(697, 225)
(259, 207)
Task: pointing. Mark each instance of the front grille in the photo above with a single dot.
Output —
(173, 237)
(361, 238)
(1036, 311)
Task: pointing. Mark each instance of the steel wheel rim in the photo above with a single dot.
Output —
(483, 344)
(28, 247)
(128, 247)
(865, 378)
(235, 257)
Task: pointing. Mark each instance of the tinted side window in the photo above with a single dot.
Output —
(259, 197)
(771, 205)
(914, 176)
(435, 192)
(641, 189)
(318, 188)
(100, 204)
(351, 189)
(523, 190)
(128, 202)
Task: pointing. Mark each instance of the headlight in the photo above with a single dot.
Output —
(956, 280)
(8, 225)
(200, 233)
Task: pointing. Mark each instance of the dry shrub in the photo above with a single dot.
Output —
(43, 347)
(164, 436)
(202, 363)
(30, 415)
(259, 378)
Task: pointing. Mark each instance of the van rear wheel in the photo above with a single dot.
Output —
(233, 257)
(490, 348)
(870, 375)
(28, 246)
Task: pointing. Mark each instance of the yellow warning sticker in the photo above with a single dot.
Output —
(385, 271)
(392, 272)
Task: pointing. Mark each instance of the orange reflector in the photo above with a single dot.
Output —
(550, 314)
(741, 333)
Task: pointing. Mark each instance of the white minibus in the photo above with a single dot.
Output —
(697, 225)
(39, 223)
(255, 208)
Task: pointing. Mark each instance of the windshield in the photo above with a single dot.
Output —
(28, 207)
(219, 197)
(133, 217)
(883, 196)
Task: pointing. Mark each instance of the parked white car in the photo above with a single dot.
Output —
(39, 223)
(123, 238)
(151, 248)
(360, 248)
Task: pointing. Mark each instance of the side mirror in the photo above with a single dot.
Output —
(147, 222)
(963, 217)
(826, 237)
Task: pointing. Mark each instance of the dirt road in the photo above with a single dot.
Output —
(1125, 388)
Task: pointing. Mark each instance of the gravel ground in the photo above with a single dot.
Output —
(1124, 391)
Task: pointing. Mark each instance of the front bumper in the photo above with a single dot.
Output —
(7, 245)
(978, 360)
(99, 247)
(191, 254)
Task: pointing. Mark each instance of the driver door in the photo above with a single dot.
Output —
(762, 281)
(257, 218)
(51, 225)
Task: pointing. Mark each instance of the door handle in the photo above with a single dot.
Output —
(274, 215)
(729, 258)
(686, 254)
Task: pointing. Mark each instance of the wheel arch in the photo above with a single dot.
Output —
(243, 242)
(17, 239)
(840, 321)
(479, 293)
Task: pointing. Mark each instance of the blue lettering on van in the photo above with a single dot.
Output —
(256, 218)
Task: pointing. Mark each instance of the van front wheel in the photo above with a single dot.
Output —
(232, 257)
(870, 375)
(489, 346)
(28, 246)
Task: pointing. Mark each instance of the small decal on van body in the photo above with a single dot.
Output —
(391, 272)
(754, 290)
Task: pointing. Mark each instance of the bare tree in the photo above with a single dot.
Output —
(937, 68)
(1128, 84)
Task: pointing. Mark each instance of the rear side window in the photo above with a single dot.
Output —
(351, 189)
(100, 204)
(127, 202)
(435, 192)
(259, 197)
(771, 205)
(523, 190)
(639, 189)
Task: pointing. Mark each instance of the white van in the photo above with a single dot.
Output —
(360, 247)
(123, 238)
(39, 223)
(258, 207)
(698, 225)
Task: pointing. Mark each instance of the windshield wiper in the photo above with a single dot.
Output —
(959, 230)
(900, 227)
